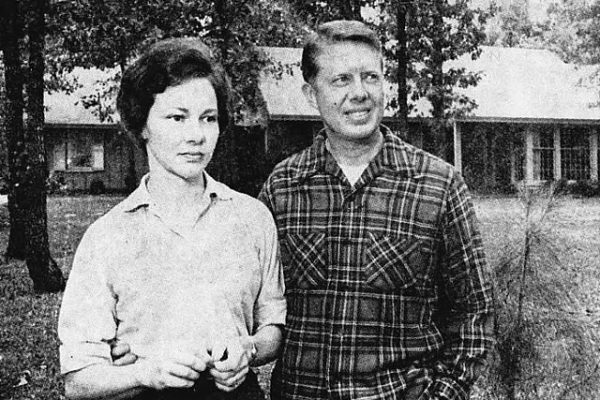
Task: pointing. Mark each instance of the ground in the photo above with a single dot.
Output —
(28, 344)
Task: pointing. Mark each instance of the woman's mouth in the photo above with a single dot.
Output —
(192, 156)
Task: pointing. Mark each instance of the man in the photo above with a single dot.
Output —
(385, 274)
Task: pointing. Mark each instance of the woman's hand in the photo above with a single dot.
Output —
(231, 361)
(121, 354)
(175, 370)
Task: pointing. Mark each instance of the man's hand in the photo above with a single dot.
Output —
(231, 363)
(121, 354)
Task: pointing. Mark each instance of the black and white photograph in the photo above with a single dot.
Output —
(299, 200)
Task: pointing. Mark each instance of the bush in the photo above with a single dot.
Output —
(586, 188)
(97, 187)
(55, 184)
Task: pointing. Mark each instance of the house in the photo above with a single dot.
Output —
(83, 152)
(537, 118)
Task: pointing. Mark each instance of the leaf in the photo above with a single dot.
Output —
(24, 379)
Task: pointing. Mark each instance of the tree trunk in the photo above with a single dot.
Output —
(224, 165)
(437, 90)
(350, 9)
(13, 78)
(402, 59)
(28, 161)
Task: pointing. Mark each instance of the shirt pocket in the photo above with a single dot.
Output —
(303, 259)
(396, 263)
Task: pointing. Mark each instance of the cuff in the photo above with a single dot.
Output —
(448, 389)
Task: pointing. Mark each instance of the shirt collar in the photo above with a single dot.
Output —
(392, 157)
(140, 197)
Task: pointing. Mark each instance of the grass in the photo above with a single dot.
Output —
(28, 342)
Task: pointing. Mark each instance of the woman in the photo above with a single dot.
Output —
(185, 270)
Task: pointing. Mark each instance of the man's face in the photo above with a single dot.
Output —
(348, 90)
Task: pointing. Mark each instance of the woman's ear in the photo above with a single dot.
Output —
(310, 95)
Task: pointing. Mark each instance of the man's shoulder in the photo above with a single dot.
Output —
(426, 164)
(294, 165)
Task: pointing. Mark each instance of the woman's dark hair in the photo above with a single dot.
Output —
(168, 63)
(330, 33)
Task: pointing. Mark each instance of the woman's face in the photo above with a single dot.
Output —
(182, 129)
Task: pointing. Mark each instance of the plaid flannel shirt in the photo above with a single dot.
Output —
(386, 281)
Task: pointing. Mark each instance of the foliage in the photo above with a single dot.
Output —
(582, 188)
(109, 34)
(436, 32)
(573, 31)
(511, 26)
(546, 336)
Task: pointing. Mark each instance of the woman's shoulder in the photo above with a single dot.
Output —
(244, 205)
(119, 220)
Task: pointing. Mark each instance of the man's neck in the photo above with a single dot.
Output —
(355, 152)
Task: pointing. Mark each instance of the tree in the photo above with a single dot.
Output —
(418, 38)
(109, 34)
(442, 31)
(573, 31)
(435, 33)
(26, 153)
(315, 12)
(510, 26)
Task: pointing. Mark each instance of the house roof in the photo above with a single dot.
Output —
(67, 108)
(517, 85)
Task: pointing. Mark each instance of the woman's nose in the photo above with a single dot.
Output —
(195, 132)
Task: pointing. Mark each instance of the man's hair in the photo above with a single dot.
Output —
(331, 33)
(168, 63)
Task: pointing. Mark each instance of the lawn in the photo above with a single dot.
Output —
(28, 343)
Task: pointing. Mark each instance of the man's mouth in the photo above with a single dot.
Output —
(358, 114)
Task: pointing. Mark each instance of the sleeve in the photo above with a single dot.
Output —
(86, 320)
(468, 320)
(265, 194)
(270, 306)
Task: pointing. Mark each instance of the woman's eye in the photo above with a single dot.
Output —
(209, 118)
(176, 117)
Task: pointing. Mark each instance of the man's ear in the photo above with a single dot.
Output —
(309, 93)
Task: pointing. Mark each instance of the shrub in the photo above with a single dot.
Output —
(55, 184)
(97, 187)
(545, 341)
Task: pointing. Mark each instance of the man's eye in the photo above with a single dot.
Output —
(341, 81)
(372, 77)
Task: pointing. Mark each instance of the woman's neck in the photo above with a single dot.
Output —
(177, 200)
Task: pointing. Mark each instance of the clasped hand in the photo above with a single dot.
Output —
(227, 362)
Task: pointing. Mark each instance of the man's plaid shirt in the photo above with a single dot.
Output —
(386, 281)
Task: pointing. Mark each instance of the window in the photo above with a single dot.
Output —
(575, 154)
(543, 153)
(79, 152)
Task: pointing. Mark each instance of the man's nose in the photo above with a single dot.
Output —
(358, 90)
